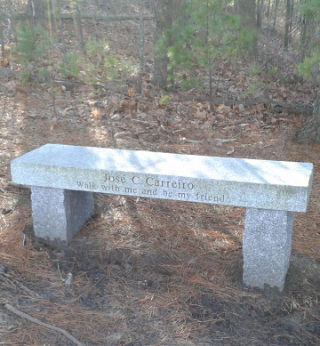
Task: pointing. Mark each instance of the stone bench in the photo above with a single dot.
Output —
(62, 179)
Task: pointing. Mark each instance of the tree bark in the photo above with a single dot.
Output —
(247, 12)
(310, 131)
(37, 8)
(141, 48)
(162, 22)
(286, 33)
(260, 8)
(275, 15)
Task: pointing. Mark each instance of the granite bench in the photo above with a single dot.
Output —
(62, 179)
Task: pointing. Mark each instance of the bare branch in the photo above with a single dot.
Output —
(45, 325)
(66, 16)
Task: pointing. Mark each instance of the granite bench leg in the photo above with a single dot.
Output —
(266, 247)
(59, 214)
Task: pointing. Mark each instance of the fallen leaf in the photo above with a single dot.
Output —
(223, 109)
(131, 91)
(181, 109)
(239, 78)
(260, 107)
(95, 114)
(132, 104)
(20, 89)
(220, 109)
(53, 123)
(200, 115)
(230, 151)
(4, 62)
(283, 95)
(211, 118)
(144, 299)
(241, 108)
(220, 117)
(123, 105)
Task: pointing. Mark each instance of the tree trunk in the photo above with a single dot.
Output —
(275, 15)
(291, 18)
(141, 47)
(286, 33)
(260, 8)
(247, 12)
(163, 21)
(310, 132)
(268, 9)
(37, 8)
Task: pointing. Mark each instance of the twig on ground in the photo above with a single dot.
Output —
(36, 321)
(112, 130)
(54, 106)
(16, 284)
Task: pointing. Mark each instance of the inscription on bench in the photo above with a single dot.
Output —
(150, 186)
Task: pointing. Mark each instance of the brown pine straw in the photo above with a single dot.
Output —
(45, 325)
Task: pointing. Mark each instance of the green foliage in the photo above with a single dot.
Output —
(310, 8)
(204, 32)
(254, 70)
(126, 67)
(253, 87)
(110, 65)
(25, 77)
(246, 40)
(35, 45)
(32, 43)
(70, 65)
(164, 100)
(114, 66)
(272, 71)
(43, 75)
(192, 82)
(94, 47)
(26, 43)
(91, 73)
(310, 67)
(282, 79)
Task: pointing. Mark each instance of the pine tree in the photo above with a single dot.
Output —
(310, 69)
(204, 33)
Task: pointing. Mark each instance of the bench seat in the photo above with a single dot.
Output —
(62, 179)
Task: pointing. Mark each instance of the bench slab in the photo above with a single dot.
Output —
(275, 185)
(63, 178)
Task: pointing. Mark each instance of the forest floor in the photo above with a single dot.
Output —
(146, 271)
